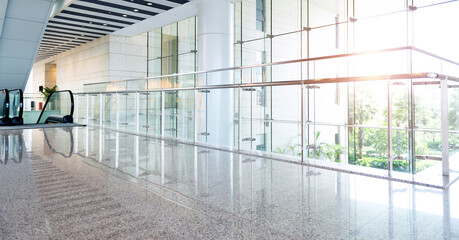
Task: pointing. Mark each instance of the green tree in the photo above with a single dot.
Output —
(364, 109)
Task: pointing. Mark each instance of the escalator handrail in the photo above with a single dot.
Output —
(49, 97)
(7, 101)
(21, 101)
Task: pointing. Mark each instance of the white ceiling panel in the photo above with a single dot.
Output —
(28, 9)
(22, 29)
(17, 48)
(10, 65)
(9, 81)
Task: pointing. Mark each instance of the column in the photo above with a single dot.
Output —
(214, 53)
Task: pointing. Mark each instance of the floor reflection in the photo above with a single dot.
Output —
(59, 140)
(293, 199)
(11, 146)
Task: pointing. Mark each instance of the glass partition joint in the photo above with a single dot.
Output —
(389, 130)
(302, 122)
(194, 115)
(444, 126)
(239, 118)
(101, 109)
(87, 109)
(77, 111)
(117, 112)
(137, 112)
(162, 113)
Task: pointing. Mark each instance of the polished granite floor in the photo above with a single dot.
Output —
(89, 183)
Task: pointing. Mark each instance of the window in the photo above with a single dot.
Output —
(261, 15)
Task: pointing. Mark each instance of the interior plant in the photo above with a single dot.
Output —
(47, 91)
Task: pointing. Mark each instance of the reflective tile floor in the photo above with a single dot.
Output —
(89, 183)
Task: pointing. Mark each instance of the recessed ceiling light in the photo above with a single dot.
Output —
(136, 10)
(149, 3)
(105, 24)
(124, 15)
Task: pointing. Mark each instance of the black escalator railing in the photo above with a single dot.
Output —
(58, 108)
(16, 106)
(5, 120)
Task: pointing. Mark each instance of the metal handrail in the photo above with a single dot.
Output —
(287, 62)
(392, 77)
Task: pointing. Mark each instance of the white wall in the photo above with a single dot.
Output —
(108, 58)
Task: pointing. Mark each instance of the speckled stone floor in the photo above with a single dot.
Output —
(89, 183)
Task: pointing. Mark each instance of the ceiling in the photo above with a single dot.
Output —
(23, 23)
(85, 20)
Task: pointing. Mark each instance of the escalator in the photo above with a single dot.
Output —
(5, 108)
(59, 108)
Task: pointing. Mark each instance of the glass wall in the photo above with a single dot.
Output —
(172, 49)
(355, 89)
(345, 122)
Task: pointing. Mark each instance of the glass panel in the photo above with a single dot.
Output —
(222, 117)
(154, 83)
(170, 114)
(256, 52)
(154, 44)
(220, 78)
(283, 133)
(325, 12)
(328, 68)
(427, 105)
(154, 68)
(400, 112)
(150, 113)
(286, 47)
(126, 157)
(59, 104)
(286, 16)
(237, 24)
(428, 151)
(365, 8)
(247, 97)
(368, 110)
(80, 111)
(4, 112)
(187, 35)
(185, 115)
(109, 110)
(440, 38)
(169, 49)
(254, 26)
(201, 113)
(126, 111)
(16, 103)
(286, 72)
(94, 109)
(369, 103)
(140, 84)
(385, 63)
(388, 31)
(329, 40)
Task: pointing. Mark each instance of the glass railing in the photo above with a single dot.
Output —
(361, 111)
(16, 106)
(58, 108)
(4, 108)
